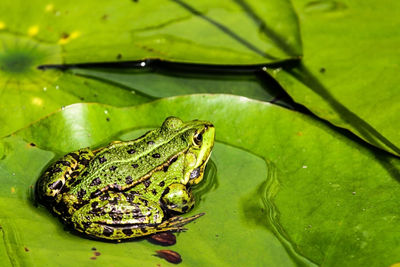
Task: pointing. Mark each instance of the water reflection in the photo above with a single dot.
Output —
(259, 210)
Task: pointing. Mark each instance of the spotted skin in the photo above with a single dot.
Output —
(63, 174)
(130, 189)
(124, 219)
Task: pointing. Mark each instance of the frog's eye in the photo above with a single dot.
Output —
(197, 139)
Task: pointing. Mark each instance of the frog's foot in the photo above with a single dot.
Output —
(175, 223)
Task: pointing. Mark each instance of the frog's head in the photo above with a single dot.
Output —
(199, 136)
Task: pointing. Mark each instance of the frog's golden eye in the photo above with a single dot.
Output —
(197, 139)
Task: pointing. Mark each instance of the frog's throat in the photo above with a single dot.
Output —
(193, 181)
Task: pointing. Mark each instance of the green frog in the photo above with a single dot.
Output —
(134, 188)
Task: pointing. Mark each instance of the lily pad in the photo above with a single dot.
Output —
(28, 93)
(60, 32)
(349, 74)
(222, 32)
(291, 190)
(35, 226)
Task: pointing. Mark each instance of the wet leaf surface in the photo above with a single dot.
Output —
(299, 192)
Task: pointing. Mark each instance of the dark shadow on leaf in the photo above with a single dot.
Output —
(304, 75)
(224, 29)
(277, 39)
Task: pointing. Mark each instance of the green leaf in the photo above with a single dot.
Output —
(350, 67)
(28, 94)
(59, 32)
(288, 189)
(212, 32)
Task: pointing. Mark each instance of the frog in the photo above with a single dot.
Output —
(131, 189)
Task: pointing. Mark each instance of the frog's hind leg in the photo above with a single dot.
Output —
(62, 173)
(116, 216)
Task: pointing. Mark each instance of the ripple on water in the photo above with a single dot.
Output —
(268, 215)
(208, 184)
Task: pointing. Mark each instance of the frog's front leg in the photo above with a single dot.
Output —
(63, 173)
(178, 198)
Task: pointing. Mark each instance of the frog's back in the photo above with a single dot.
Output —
(125, 164)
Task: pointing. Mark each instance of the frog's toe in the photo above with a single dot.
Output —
(176, 223)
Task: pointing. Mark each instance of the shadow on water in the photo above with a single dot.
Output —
(260, 86)
(281, 97)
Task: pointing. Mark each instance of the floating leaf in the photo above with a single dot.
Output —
(59, 32)
(349, 74)
(291, 190)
